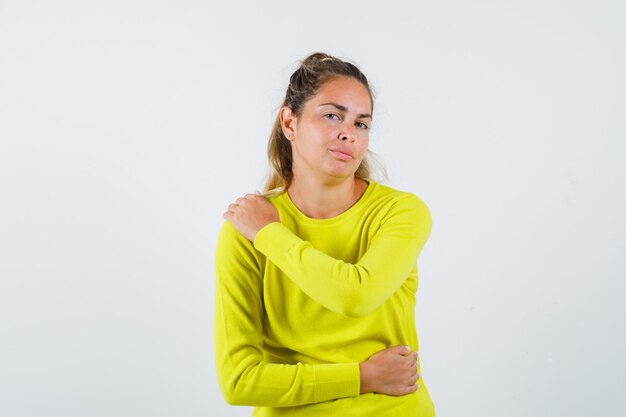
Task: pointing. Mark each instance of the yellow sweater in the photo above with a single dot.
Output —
(297, 310)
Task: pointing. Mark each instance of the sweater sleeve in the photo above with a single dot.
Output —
(354, 290)
(245, 378)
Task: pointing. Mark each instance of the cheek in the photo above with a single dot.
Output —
(364, 143)
(362, 151)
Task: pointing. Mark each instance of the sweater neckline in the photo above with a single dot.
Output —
(354, 208)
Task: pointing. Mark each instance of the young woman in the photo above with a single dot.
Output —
(316, 280)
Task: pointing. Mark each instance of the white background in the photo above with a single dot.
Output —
(126, 128)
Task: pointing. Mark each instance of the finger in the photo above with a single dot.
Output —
(253, 197)
(232, 207)
(411, 358)
(405, 390)
(400, 350)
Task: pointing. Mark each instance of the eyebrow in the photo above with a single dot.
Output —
(345, 109)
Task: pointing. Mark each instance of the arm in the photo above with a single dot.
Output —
(246, 379)
(354, 290)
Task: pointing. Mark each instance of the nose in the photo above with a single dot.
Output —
(347, 134)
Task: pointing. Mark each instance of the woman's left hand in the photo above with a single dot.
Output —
(251, 213)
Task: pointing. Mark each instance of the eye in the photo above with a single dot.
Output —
(332, 116)
(361, 125)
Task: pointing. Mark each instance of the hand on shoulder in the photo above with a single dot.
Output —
(250, 213)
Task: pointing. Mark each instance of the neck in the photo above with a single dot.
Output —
(325, 200)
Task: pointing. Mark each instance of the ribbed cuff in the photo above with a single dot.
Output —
(337, 380)
(274, 236)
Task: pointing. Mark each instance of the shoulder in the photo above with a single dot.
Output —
(399, 201)
(277, 199)
(229, 236)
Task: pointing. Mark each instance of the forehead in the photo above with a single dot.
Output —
(345, 91)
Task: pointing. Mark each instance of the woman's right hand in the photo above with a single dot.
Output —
(392, 371)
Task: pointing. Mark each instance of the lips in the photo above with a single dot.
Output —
(341, 153)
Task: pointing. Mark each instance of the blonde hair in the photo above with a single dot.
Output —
(304, 83)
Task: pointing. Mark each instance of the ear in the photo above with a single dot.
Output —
(288, 122)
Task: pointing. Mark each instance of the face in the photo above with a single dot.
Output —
(330, 138)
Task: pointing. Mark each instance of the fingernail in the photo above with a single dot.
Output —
(407, 348)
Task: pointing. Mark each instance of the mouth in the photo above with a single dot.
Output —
(344, 156)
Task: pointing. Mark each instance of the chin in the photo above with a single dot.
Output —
(341, 171)
(342, 175)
